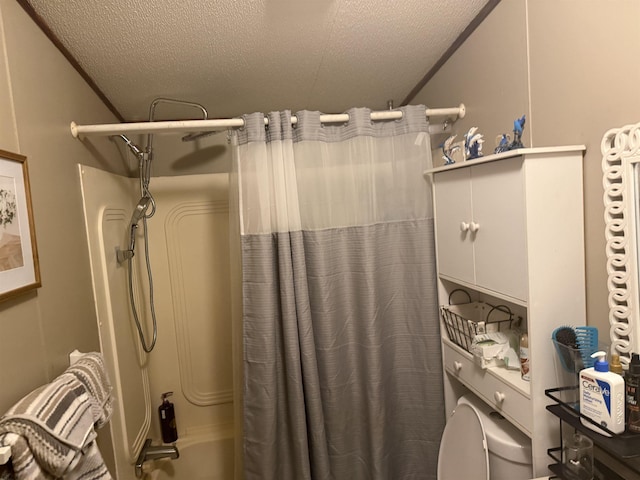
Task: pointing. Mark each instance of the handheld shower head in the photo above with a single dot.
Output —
(136, 216)
(139, 211)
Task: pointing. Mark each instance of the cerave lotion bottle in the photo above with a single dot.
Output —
(602, 397)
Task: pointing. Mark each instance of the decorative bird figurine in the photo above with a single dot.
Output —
(448, 148)
(518, 128)
(503, 146)
(473, 144)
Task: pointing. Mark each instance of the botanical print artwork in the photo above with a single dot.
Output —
(10, 242)
(19, 267)
(7, 201)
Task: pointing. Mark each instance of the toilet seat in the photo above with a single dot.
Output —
(463, 448)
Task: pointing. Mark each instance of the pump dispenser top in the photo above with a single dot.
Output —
(601, 364)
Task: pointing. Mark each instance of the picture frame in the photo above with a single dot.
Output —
(19, 265)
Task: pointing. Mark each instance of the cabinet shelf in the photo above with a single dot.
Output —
(508, 377)
(511, 153)
(493, 293)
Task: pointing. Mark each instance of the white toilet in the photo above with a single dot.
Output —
(480, 445)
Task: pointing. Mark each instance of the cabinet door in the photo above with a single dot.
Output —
(500, 240)
(452, 192)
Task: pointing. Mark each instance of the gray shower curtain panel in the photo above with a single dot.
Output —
(342, 360)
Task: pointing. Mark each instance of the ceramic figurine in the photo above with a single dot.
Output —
(518, 127)
(473, 144)
(503, 145)
(448, 148)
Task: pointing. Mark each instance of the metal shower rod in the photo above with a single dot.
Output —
(185, 126)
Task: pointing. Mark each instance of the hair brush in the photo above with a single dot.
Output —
(568, 348)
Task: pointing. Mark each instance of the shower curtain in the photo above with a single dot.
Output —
(340, 334)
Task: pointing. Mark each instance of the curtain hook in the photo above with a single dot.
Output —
(390, 104)
(445, 125)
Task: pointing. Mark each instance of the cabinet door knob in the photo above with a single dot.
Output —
(464, 226)
(474, 227)
(457, 366)
(498, 397)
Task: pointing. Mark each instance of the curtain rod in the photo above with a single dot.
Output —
(185, 126)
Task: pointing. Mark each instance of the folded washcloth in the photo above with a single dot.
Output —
(51, 431)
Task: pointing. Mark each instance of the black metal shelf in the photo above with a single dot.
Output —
(622, 446)
(562, 472)
(625, 446)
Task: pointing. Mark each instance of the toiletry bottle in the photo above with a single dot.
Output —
(525, 368)
(615, 366)
(602, 397)
(167, 420)
(633, 394)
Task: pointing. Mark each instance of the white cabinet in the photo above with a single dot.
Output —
(480, 226)
(509, 230)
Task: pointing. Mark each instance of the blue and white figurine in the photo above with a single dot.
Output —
(503, 145)
(448, 148)
(518, 128)
(473, 144)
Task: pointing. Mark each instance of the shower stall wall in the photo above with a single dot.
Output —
(189, 251)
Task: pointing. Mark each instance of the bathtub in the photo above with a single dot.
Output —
(201, 458)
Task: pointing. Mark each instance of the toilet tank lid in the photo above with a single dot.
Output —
(503, 439)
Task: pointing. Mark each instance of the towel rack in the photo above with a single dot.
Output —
(5, 452)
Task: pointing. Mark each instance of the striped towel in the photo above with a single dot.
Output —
(51, 431)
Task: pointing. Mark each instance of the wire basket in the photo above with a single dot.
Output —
(464, 321)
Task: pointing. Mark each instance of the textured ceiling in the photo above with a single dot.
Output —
(243, 56)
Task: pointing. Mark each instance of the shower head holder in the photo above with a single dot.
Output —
(123, 255)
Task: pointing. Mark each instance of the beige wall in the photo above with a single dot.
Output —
(488, 74)
(569, 66)
(584, 81)
(40, 93)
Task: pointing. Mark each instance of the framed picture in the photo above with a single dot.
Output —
(19, 269)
